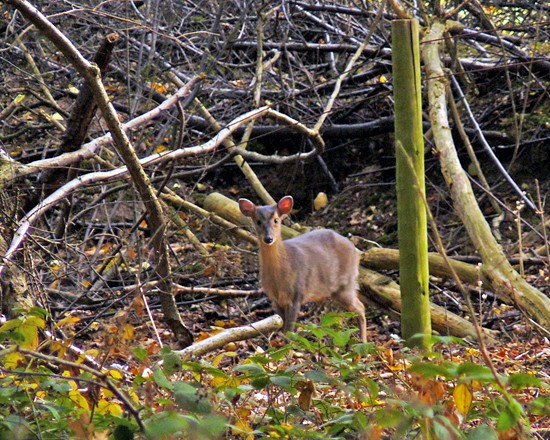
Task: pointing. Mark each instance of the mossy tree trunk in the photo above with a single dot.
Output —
(411, 209)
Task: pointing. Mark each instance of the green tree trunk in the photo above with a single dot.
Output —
(411, 211)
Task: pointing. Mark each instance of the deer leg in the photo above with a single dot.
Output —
(290, 315)
(279, 310)
(350, 302)
(359, 308)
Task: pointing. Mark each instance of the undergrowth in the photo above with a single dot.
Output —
(321, 384)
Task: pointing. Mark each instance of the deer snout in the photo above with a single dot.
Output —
(269, 240)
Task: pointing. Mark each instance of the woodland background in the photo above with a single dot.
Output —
(89, 268)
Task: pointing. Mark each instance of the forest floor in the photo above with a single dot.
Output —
(366, 210)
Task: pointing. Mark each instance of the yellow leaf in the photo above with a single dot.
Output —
(217, 359)
(106, 407)
(93, 352)
(243, 429)
(226, 382)
(67, 320)
(13, 360)
(463, 398)
(55, 265)
(128, 332)
(115, 374)
(78, 399)
(58, 348)
(16, 151)
(161, 149)
(105, 248)
(19, 99)
(133, 395)
(106, 394)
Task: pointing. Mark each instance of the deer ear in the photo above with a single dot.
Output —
(285, 205)
(247, 207)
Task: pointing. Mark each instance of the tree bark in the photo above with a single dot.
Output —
(504, 280)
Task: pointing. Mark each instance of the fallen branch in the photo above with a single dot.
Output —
(388, 259)
(260, 328)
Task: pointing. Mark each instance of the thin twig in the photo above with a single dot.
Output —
(487, 147)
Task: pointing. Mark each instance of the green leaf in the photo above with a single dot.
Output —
(140, 353)
(216, 372)
(35, 321)
(470, 371)
(389, 418)
(444, 428)
(171, 361)
(362, 421)
(341, 339)
(483, 432)
(441, 431)
(213, 426)
(250, 369)
(282, 381)
(437, 339)
(300, 341)
(293, 368)
(509, 416)
(364, 348)
(260, 382)
(161, 380)
(541, 406)
(123, 432)
(277, 355)
(331, 319)
(38, 311)
(523, 380)
(10, 325)
(430, 370)
(188, 398)
(317, 376)
(166, 425)
(373, 388)
(18, 337)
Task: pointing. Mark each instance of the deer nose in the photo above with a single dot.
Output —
(268, 239)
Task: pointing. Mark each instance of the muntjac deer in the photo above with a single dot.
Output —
(319, 266)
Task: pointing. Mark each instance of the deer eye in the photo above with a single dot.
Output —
(258, 222)
(275, 220)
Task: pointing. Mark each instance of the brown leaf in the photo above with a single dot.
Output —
(306, 389)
